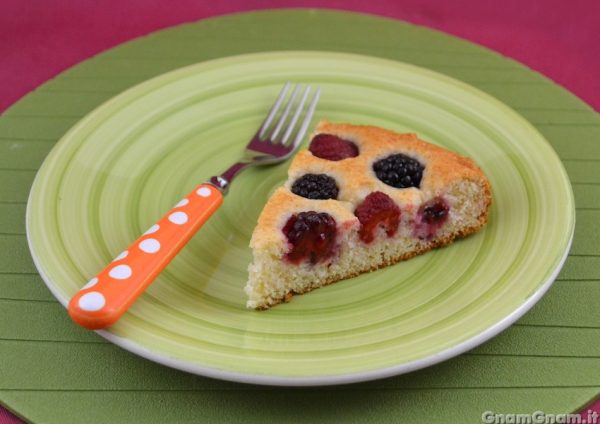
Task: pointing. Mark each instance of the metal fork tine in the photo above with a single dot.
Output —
(285, 114)
(261, 150)
(307, 119)
(267, 123)
(292, 123)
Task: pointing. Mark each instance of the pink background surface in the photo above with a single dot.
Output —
(39, 39)
(560, 39)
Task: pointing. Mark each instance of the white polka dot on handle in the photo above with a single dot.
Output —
(182, 202)
(92, 301)
(120, 272)
(152, 229)
(123, 255)
(90, 283)
(150, 245)
(204, 192)
(178, 218)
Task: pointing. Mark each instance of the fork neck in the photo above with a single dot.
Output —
(222, 181)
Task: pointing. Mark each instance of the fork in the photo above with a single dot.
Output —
(102, 301)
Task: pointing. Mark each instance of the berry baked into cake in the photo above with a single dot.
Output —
(358, 199)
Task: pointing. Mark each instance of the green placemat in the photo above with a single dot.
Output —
(53, 371)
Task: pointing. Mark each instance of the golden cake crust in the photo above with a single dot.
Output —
(441, 166)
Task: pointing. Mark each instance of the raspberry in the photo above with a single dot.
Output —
(312, 236)
(399, 171)
(377, 209)
(332, 147)
(315, 186)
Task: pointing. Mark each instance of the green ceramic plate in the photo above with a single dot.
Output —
(122, 166)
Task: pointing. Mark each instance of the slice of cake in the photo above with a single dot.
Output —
(358, 199)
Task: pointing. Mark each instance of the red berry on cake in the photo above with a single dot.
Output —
(311, 236)
(377, 210)
(332, 147)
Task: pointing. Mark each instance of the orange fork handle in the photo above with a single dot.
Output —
(103, 300)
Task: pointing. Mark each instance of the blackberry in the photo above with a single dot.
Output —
(316, 186)
(399, 171)
(435, 211)
(311, 235)
(432, 216)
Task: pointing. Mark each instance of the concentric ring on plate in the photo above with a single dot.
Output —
(126, 163)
